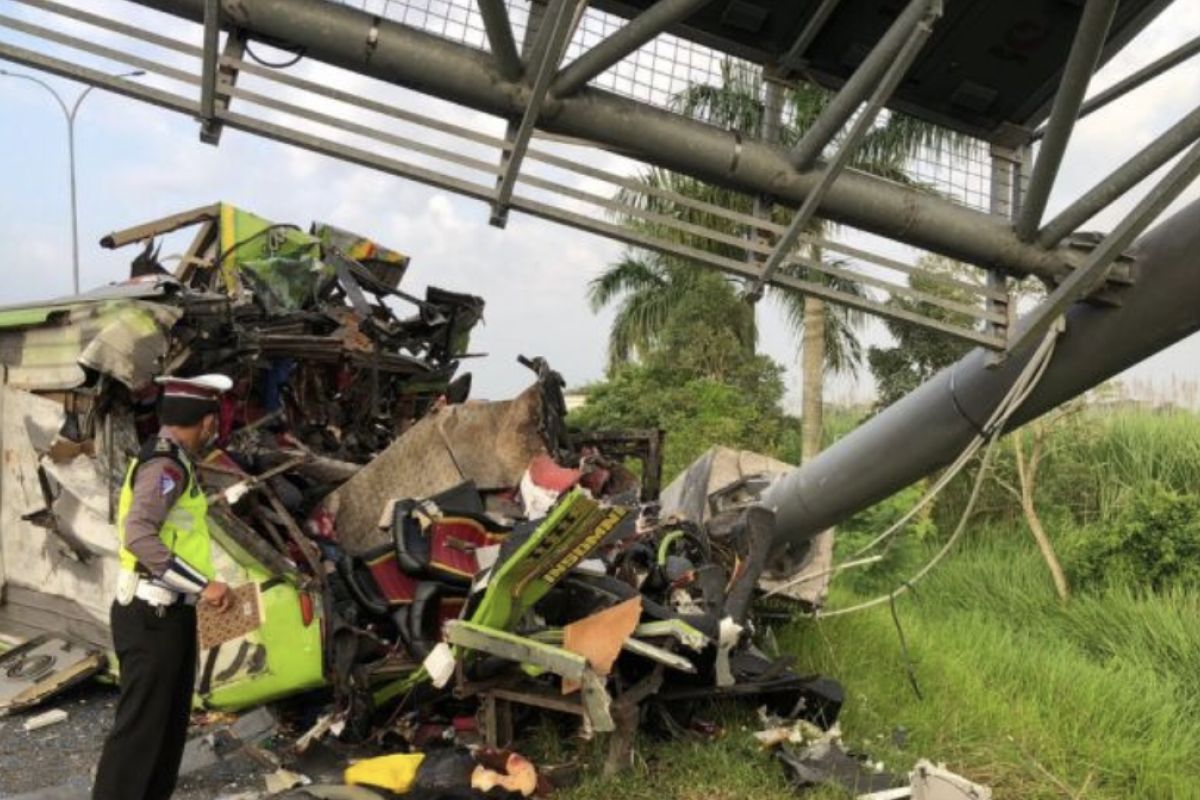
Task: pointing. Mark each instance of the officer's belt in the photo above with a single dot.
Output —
(160, 595)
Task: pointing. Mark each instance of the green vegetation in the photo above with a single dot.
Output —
(1021, 693)
(1097, 697)
(918, 353)
(700, 383)
(1081, 686)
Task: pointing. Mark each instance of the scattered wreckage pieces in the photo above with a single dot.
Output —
(489, 444)
(600, 637)
(446, 772)
(32, 672)
(375, 522)
(813, 757)
(723, 479)
(44, 720)
(934, 782)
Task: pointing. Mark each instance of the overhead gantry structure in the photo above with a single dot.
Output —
(992, 71)
(1011, 76)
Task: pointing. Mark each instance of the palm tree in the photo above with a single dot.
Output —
(646, 288)
(649, 289)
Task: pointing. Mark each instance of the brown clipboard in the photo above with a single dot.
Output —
(244, 615)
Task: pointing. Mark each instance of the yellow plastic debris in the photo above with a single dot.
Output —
(396, 773)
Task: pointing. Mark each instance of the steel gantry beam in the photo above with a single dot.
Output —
(635, 33)
(500, 38)
(1081, 64)
(858, 87)
(289, 134)
(1137, 79)
(346, 37)
(208, 66)
(1088, 277)
(1128, 175)
(816, 23)
(917, 36)
(548, 49)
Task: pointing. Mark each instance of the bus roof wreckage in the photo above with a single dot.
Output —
(387, 537)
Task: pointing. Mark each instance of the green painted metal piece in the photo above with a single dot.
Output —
(292, 651)
(574, 528)
(22, 317)
(283, 656)
(520, 649)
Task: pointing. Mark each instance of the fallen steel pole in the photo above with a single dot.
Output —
(928, 428)
(363, 43)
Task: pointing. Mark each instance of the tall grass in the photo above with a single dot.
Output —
(1021, 692)
(1094, 461)
(1095, 698)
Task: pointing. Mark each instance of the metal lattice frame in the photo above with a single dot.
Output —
(544, 181)
(659, 71)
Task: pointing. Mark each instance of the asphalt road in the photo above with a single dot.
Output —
(57, 762)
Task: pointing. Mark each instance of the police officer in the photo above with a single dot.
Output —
(166, 568)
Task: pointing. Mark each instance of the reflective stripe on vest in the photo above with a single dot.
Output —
(184, 531)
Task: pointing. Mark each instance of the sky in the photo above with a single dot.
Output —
(136, 162)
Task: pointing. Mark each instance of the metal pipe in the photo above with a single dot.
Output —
(208, 64)
(1081, 63)
(548, 50)
(812, 29)
(351, 39)
(846, 148)
(857, 87)
(1137, 79)
(928, 428)
(1125, 177)
(500, 38)
(1082, 281)
(635, 33)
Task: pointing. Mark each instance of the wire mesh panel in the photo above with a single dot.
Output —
(663, 70)
(375, 124)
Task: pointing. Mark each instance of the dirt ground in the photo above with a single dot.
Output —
(57, 762)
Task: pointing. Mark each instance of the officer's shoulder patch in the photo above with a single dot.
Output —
(166, 483)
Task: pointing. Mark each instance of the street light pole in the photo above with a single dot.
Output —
(69, 115)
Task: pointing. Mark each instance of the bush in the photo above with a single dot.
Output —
(901, 554)
(1152, 542)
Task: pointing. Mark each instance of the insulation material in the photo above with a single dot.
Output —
(720, 467)
(542, 484)
(490, 443)
(84, 503)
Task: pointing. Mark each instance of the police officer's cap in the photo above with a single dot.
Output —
(185, 401)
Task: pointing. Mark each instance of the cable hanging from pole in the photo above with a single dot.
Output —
(986, 439)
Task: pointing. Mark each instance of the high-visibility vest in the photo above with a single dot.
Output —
(185, 530)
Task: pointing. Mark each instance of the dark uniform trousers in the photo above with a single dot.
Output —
(156, 649)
